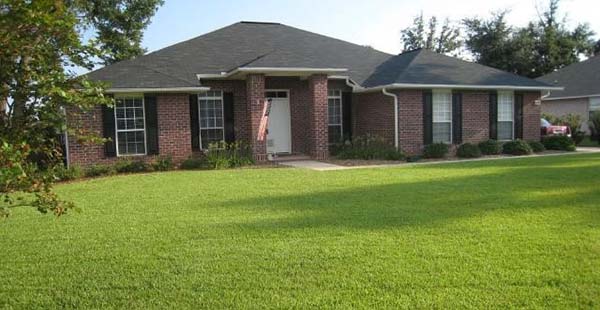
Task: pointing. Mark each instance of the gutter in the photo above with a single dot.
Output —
(157, 90)
(223, 75)
(385, 92)
(458, 86)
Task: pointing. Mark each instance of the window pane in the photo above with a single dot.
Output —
(335, 134)
(442, 106)
(441, 133)
(209, 136)
(505, 130)
(334, 111)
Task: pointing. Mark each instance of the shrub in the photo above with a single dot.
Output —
(436, 150)
(131, 166)
(194, 163)
(516, 147)
(223, 155)
(537, 146)
(63, 173)
(413, 159)
(468, 150)
(99, 170)
(560, 143)
(368, 147)
(490, 147)
(163, 163)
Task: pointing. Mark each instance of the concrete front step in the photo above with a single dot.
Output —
(291, 157)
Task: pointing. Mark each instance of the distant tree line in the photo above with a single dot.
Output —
(542, 46)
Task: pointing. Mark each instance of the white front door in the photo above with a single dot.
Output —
(279, 136)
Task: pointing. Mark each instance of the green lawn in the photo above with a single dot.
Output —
(520, 233)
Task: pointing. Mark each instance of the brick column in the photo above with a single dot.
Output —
(531, 116)
(317, 117)
(255, 98)
(174, 131)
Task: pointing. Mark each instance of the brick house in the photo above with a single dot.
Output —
(177, 100)
(581, 94)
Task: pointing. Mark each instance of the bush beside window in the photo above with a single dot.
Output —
(367, 147)
(223, 155)
(131, 166)
(490, 147)
(99, 170)
(163, 163)
(537, 146)
(516, 147)
(436, 150)
(559, 143)
(468, 150)
(194, 163)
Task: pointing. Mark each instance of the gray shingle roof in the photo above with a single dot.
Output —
(422, 66)
(579, 79)
(254, 45)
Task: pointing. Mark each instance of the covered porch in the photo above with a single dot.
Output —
(309, 110)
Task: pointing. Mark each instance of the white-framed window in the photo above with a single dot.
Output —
(442, 116)
(334, 115)
(594, 105)
(130, 125)
(506, 115)
(210, 110)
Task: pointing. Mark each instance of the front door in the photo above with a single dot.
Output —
(279, 135)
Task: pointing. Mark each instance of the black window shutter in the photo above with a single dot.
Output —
(427, 118)
(347, 115)
(228, 117)
(518, 116)
(151, 125)
(108, 131)
(493, 116)
(457, 118)
(194, 122)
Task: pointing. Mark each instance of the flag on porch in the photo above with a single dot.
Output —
(264, 121)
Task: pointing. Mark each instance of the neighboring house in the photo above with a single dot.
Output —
(581, 94)
(177, 100)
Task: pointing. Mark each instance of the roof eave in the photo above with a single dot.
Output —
(291, 71)
(457, 86)
(156, 89)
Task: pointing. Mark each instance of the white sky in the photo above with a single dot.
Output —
(376, 22)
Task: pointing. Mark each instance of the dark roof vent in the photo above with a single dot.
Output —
(258, 23)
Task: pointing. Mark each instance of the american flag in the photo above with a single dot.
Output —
(264, 121)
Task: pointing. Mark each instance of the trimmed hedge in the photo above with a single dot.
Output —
(368, 147)
(537, 146)
(194, 163)
(516, 147)
(490, 147)
(436, 150)
(468, 150)
(559, 143)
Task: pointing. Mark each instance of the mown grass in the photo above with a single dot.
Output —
(521, 233)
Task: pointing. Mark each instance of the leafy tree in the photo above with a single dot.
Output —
(541, 47)
(119, 25)
(41, 41)
(445, 41)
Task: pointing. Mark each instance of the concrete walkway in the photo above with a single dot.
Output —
(322, 166)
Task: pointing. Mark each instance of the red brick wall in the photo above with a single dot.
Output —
(318, 144)
(531, 116)
(373, 113)
(476, 125)
(174, 134)
(173, 129)
(255, 96)
(410, 121)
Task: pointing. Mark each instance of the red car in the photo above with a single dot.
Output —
(554, 130)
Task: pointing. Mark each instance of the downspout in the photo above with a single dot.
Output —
(546, 95)
(385, 92)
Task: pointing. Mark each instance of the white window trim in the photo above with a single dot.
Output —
(341, 124)
(512, 121)
(200, 128)
(446, 92)
(123, 97)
